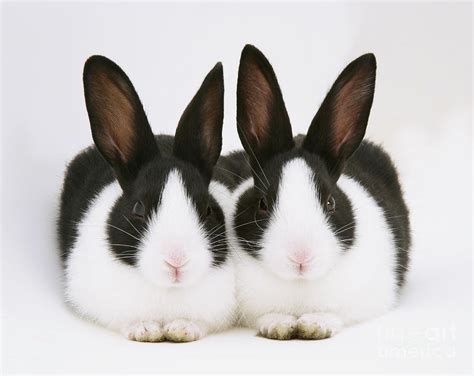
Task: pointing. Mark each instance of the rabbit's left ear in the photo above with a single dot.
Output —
(198, 138)
(339, 126)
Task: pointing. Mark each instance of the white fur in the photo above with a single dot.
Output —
(350, 285)
(174, 235)
(126, 298)
(299, 227)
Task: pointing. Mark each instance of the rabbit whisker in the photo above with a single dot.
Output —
(233, 173)
(131, 224)
(256, 159)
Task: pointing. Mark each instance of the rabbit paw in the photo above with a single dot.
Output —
(144, 331)
(318, 326)
(183, 331)
(277, 326)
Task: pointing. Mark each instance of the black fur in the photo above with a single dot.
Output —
(333, 146)
(229, 169)
(142, 172)
(339, 125)
(199, 132)
(118, 122)
(260, 103)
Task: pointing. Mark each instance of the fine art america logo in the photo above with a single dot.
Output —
(417, 343)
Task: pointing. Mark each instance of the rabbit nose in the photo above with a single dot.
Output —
(175, 257)
(300, 257)
(173, 265)
(175, 262)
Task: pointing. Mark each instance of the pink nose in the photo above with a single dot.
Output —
(300, 258)
(175, 261)
(175, 264)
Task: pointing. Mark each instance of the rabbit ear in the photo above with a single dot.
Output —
(339, 126)
(198, 138)
(119, 125)
(262, 121)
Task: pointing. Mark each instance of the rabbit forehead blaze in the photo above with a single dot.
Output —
(175, 198)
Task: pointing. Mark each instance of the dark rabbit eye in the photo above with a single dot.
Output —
(139, 209)
(330, 204)
(262, 206)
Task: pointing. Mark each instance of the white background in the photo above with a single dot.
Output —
(421, 114)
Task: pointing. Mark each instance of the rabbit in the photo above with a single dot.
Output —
(319, 224)
(141, 225)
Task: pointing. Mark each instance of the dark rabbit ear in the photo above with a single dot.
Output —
(262, 121)
(198, 138)
(339, 126)
(119, 125)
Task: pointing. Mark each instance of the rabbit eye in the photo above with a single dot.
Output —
(262, 206)
(330, 204)
(139, 209)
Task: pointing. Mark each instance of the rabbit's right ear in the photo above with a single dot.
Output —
(262, 121)
(119, 125)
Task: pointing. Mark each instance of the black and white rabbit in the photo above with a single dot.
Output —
(141, 224)
(320, 227)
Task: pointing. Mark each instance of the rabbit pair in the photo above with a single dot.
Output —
(163, 239)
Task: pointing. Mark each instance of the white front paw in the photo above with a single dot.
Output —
(144, 331)
(183, 331)
(318, 325)
(277, 326)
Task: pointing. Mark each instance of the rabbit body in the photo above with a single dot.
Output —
(319, 227)
(141, 224)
